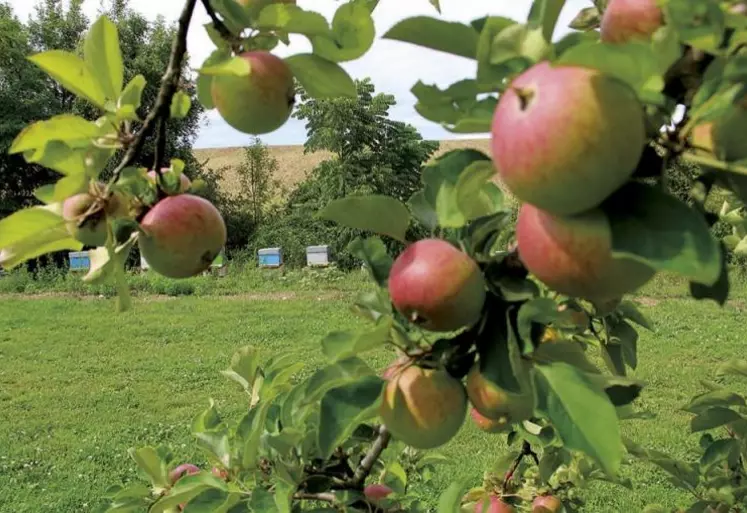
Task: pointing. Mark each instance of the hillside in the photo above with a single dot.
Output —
(293, 164)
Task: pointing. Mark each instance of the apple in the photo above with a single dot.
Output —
(377, 492)
(489, 425)
(437, 286)
(185, 469)
(723, 137)
(184, 182)
(260, 102)
(220, 473)
(494, 505)
(573, 255)
(395, 367)
(182, 235)
(424, 408)
(95, 207)
(566, 137)
(626, 20)
(547, 504)
(495, 403)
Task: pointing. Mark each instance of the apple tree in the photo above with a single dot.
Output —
(582, 126)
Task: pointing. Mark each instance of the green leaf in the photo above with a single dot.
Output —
(62, 189)
(620, 390)
(444, 36)
(635, 63)
(74, 131)
(658, 230)
(721, 451)
(186, 489)
(624, 334)
(152, 465)
(353, 33)
(581, 413)
(587, 18)
(60, 157)
(450, 499)
(436, 4)
(441, 179)
(320, 77)
(346, 406)
(518, 43)
(380, 214)
(720, 397)
(228, 66)
(630, 311)
(491, 76)
(216, 444)
(244, 368)
(733, 367)
(544, 15)
(105, 263)
(472, 196)
(498, 352)
(713, 417)
(719, 291)
(262, 501)
(133, 93)
(699, 24)
(291, 18)
(334, 375)
(104, 58)
(72, 73)
(341, 345)
(235, 17)
(29, 222)
(569, 352)
(180, 105)
(423, 211)
(457, 108)
(205, 81)
(373, 253)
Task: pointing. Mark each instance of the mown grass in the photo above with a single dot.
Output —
(79, 386)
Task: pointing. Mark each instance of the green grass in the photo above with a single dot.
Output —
(79, 386)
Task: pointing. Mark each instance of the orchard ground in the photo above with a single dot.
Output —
(79, 386)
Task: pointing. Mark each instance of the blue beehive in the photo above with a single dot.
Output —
(79, 260)
(270, 257)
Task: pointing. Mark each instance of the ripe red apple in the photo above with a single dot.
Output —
(182, 236)
(494, 505)
(724, 137)
(377, 492)
(260, 102)
(424, 408)
(185, 469)
(626, 20)
(489, 425)
(573, 255)
(92, 232)
(566, 137)
(436, 285)
(184, 182)
(547, 504)
(395, 367)
(495, 403)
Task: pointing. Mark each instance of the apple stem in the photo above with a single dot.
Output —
(525, 96)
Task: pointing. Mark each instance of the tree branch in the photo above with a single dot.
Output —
(526, 450)
(169, 86)
(323, 497)
(369, 460)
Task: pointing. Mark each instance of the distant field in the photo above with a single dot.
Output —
(294, 164)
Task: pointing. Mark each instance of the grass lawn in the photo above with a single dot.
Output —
(79, 386)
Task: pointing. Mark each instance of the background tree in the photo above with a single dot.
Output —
(371, 154)
(257, 184)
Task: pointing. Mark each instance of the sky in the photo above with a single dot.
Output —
(394, 67)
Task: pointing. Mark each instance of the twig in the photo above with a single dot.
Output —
(526, 450)
(169, 86)
(322, 496)
(225, 33)
(369, 460)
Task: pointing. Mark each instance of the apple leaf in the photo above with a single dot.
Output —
(518, 44)
(587, 18)
(60, 157)
(74, 131)
(719, 291)
(320, 77)
(373, 253)
(457, 108)
(104, 262)
(698, 24)
(423, 211)
(341, 345)
(64, 188)
(380, 214)
(714, 417)
(344, 407)
(244, 367)
(721, 451)
(450, 499)
(436, 4)
(442, 184)
(180, 105)
(186, 489)
(234, 16)
(72, 73)
(291, 18)
(544, 15)
(472, 190)
(496, 349)
(444, 36)
(720, 397)
(133, 93)
(104, 57)
(581, 412)
(151, 463)
(733, 367)
(340, 373)
(658, 230)
(353, 33)
(635, 63)
(492, 76)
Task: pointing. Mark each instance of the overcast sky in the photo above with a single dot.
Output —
(394, 67)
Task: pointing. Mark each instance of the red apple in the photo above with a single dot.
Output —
(437, 286)
(185, 469)
(490, 425)
(573, 255)
(625, 20)
(494, 505)
(424, 408)
(260, 102)
(547, 504)
(566, 137)
(182, 236)
(495, 403)
(377, 492)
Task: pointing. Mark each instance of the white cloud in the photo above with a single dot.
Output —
(394, 67)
